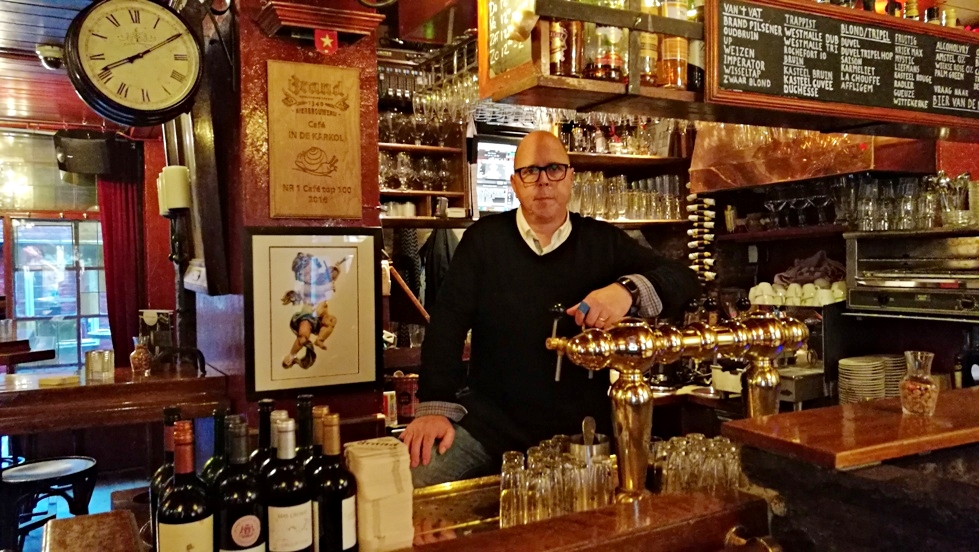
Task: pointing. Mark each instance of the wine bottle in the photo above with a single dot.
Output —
(164, 473)
(277, 416)
(215, 464)
(304, 428)
(239, 512)
(290, 508)
(264, 450)
(184, 520)
(704, 216)
(334, 494)
(319, 412)
(699, 255)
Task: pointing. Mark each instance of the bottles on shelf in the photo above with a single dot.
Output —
(695, 63)
(303, 501)
(163, 474)
(334, 493)
(215, 465)
(238, 506)
(184, 518)
(287, 494)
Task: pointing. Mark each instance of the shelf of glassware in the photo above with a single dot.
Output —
(389, 192)
(635, 224)
(776, 234)
(414, 148)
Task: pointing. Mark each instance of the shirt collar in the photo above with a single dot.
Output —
(527, 233)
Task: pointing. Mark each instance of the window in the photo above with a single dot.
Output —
(59, 289)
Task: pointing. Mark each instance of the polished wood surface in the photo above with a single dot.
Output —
(656, 523)
(26, 407)
(109, 532)
(865, 433)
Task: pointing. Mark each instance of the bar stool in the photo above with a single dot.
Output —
(23, 486)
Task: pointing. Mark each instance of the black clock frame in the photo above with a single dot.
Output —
(109, 108)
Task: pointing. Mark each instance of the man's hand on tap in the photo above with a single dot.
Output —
(603, 307)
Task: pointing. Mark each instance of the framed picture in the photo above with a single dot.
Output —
(312, 309)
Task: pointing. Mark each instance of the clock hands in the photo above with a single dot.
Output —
(134, 57)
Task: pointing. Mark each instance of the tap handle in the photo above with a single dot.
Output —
(743, 305)
(710, 304)
(557, 310)
(693, 306)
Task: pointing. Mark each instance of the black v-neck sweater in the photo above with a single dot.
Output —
(502, 290)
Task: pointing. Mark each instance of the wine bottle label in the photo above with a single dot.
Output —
(349, 512)
(290, 528)
(196, 535)
(696, 53)
(246, 530)
(559, 40)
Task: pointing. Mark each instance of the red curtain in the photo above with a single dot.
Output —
(121, 212)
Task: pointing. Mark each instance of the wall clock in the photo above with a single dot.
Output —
(135, 62)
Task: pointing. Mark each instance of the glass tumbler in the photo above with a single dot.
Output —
(513, 493)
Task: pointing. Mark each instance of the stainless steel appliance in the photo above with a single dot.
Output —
(930, 272)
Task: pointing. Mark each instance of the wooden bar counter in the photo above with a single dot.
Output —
(27, 407)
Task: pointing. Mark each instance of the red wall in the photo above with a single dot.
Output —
(159, 269)
(220, 328)
(958, 157)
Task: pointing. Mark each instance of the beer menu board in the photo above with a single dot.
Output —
(504, 54)
(784, 53)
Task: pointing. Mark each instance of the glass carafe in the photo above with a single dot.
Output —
(919, 392)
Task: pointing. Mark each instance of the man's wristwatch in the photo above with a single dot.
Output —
(631, 287)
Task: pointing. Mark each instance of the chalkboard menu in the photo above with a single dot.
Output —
(504, 54)
(786, 53)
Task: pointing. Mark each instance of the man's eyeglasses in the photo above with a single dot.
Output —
(531, 174)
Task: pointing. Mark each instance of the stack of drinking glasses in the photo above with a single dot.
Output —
(696, 464)
(911, 204)
(615, 198)
(552, 482)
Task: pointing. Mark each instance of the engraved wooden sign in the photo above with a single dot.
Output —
(314, 141)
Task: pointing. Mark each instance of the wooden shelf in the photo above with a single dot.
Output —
(609, 162)
(806, 232)
(930, 233)
(629, 224)
(419, 193)
(384, 146)
(424, 222)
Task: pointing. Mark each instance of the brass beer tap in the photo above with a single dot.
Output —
(632, 346)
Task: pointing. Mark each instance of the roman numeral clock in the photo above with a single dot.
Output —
(135, 62)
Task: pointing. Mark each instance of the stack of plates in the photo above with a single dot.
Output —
(894, 370)
(861, 378)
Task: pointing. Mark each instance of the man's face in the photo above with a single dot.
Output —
(546, 200)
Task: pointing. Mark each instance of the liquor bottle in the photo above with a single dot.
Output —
(560, 31)
(932, 16)
(699, 255)
(164, 473)
(703, 216)
(695, 64)
(277, 416)
(290, 508)
(672, 69)
(185, 520)
(216, 463)
(701, 233)
(701, 243)
(893, 8)
(613, 48)
(304, 428)
(707, 224)
(911, 10)
(319, 412)
(238, 508)
(949, 17)
(576, 49)
(334, 494)
(649, 47)
(264, 450)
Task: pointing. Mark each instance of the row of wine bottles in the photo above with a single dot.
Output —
(291, 494)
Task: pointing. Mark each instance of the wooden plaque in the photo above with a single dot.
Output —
(314, 141)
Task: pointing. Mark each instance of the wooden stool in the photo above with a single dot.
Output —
(108, 532)
(24, 485)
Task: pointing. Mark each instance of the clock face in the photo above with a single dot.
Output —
(138, 54)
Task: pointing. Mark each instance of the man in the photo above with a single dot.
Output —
(507, 273)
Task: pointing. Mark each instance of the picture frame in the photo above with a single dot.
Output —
(312, 310)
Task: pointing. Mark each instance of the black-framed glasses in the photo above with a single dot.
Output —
(531, 173)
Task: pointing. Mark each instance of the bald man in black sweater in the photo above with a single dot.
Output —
(507, 272)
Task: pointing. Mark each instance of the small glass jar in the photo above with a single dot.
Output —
(919, 392)
(141, 357)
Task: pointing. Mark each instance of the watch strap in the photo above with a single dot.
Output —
(631, 287)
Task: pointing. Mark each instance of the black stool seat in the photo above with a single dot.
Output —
(24, 485)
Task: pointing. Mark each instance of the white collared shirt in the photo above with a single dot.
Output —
(527, 233)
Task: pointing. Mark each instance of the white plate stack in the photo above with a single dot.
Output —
(861, 378)
(894, 369)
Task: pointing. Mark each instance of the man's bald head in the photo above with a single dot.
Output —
(540, 148)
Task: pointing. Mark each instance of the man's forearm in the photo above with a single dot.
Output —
(452, 411)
